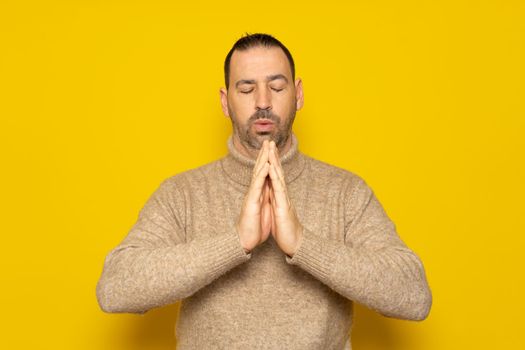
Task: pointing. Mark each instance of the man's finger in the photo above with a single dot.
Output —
(274, 159)
(259, 176)
(272, 203)
(266, 194)
(279, 194)
(254, 193)
(260, 152)
(261, 159)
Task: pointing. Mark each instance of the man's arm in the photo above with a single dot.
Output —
(155, 266)
(372, 266)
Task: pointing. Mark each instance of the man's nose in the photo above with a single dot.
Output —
(263, 99)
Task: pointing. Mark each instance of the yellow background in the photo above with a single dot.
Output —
(102, 100)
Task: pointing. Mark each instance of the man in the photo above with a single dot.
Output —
(267, 248)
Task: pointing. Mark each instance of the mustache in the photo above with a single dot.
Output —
(264, 114)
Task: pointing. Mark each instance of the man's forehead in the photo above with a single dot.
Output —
(259, 62)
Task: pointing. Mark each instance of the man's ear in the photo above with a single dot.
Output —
(299, 97)
(224, 101)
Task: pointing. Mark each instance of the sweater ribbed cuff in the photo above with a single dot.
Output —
(315, 255)
(220, 254)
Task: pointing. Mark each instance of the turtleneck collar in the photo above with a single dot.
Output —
(240, 168)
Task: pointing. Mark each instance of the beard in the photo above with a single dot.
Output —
(254, 139)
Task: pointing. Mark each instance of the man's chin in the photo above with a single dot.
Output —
(258, 139)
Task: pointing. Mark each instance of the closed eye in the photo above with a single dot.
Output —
(249, 91)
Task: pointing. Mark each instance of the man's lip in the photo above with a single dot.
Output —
(264, 122)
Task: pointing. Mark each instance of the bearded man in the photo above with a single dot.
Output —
(266, 248)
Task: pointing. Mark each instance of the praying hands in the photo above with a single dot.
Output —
(267, 209)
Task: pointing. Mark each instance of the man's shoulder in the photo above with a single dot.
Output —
(195, 175)
(330, 172)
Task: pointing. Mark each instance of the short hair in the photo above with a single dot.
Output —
(255, 40)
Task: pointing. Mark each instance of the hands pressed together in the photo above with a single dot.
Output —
(267, 209)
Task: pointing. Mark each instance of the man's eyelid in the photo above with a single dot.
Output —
(245, 85)
(278, 84)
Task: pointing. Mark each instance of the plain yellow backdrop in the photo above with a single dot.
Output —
(102, 100)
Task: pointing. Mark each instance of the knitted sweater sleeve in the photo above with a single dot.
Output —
(373, 266)
(154, 265)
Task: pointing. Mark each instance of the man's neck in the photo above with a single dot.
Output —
(253, 153)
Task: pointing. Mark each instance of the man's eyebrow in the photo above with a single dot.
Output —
(268, 78)
(276, 76)
(244, 81)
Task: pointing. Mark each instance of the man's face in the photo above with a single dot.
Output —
(262, 98)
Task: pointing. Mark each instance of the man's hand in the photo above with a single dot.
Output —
(286, 228)
(255, 220)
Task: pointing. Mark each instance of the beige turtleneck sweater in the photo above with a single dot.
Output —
(184, 246)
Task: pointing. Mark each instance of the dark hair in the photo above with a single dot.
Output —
(255, 40)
